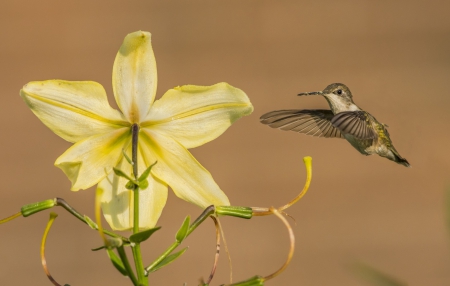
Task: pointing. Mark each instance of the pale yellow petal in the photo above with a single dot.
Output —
(90, 160)
(134, 76)
(194, 115)
(74, 110)
(117, 201)
(179, 169)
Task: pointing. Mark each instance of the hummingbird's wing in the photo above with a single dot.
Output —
(356, 123)
(316, 122)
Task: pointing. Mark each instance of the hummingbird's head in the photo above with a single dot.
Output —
(338, 89)
(338, 96)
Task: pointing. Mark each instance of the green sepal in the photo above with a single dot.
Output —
(130, 185)
(113, 242)
(120, 173)
(166, 261)
(90, 222)
(254, 281)
(241, 212)
(117, 262)
(146, 173)
(182, 232)
(143, 235)
(30, 209)
(143, 184)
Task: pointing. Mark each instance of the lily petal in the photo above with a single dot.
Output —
(117, 201)
(90, 160)
(194, 115)
(134, 76)
(180, 170)
(74, 110)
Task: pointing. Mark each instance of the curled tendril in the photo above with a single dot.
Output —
(292, 244)
(258, 211)
(44, 239)
(259, 280)
(216, 256)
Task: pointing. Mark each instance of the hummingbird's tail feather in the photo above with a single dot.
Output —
(400, 160)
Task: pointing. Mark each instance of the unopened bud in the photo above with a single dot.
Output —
(242, 212)
(30, 209)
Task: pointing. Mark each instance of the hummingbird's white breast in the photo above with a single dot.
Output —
(337, 104)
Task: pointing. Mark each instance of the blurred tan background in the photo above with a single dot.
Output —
(394, 56)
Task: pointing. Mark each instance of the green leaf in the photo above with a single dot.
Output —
(146, 172)
(117, 262)
(120, 173)
(143, 235)
(169, 259)
(98, 248)
(90, 222)
(254, 281)
(182, 232)
(376, 277)
(30, 209)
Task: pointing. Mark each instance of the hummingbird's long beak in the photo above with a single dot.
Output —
(310, 93)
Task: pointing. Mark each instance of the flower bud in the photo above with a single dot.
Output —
(30, 209)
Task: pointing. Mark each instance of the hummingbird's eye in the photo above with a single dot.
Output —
(339, 91)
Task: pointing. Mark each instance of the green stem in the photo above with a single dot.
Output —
(204, 215)
(134, 147)
(162, 256)
(126, 264)
(62, 203)
(139, 264)
(201, 218)
(136, 209)
(137, 247)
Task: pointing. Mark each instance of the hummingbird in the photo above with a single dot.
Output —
(345, 120)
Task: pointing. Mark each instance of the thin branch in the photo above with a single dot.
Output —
(62, 203)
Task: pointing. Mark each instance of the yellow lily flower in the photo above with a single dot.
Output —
(185, 117)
